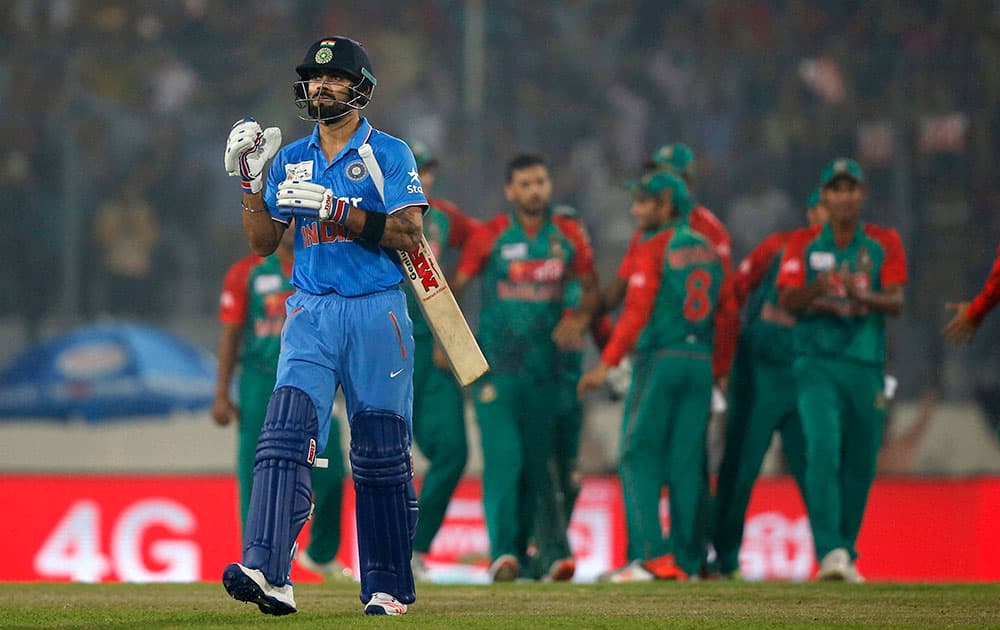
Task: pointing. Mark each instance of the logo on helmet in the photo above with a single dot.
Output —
(325, 53)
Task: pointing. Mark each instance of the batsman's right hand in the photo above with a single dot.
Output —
(248, 149)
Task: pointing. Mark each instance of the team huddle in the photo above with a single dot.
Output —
(806, 358)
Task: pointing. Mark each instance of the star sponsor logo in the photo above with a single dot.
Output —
(414, 175)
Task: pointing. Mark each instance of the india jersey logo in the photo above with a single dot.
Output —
(356, 171)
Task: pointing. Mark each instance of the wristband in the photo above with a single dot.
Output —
(374, 226)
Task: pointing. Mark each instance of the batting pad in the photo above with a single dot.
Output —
(281, 499)
(386, 504)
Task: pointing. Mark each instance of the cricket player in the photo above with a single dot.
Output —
(252, 312)
(677, 299)
(346, 326)
(438, 403)
(969, 315)
(762, 396)
(525, 258)
(840, 280)
(679, 159)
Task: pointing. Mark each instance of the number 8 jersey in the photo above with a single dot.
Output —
(678, 301)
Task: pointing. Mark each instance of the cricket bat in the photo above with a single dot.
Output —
(436, 300)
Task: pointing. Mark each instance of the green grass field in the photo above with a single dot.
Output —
(706, 604)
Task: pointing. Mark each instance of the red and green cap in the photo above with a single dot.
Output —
(841, 168)
(677, 157)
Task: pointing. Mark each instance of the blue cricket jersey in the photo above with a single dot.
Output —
(327, 259)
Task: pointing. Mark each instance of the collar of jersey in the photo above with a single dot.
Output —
(826, 234)
(360, 137)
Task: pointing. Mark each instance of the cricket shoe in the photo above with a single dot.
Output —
(834, 566)
(384, 604)
(560, 571)
(631, 572)
(419, 568)
(665, 568)
(249, 585)
(506, 568)
(853, 576)
(332, 570)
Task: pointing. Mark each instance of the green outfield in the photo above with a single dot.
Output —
(711, 604)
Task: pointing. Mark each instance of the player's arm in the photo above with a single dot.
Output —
(727, 325)
(568, 333)
(232, 315)
(614, 293)
(400, 230)
(248, 148)
(968, 316)
(795, 294)
(892, 277)
(639, 301)
(263, 233)
(754, 267)
(223, 409)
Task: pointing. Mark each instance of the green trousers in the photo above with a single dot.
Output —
(439, 431)
(842, 407)
(762, 400)
(566, 445)
(255, 389)
(663, 438)
(516, 425)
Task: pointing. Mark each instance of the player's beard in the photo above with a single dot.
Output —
(327, 113)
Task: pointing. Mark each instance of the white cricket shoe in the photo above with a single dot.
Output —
(506, 568)
(332, 570)
(249, 585)
(419, 568)
(384, 604)
(835, 565)
(631, 572)
(853, 576)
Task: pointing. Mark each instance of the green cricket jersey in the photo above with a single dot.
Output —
(524, 279)
(833, 325)
(254, 294)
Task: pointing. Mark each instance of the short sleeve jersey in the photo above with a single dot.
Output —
(446, 229)
(835, 326)
(524, 278)
(253, 295)
(327, 259)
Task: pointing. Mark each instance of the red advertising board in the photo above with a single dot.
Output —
(184, 528)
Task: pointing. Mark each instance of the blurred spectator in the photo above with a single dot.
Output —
(127, 232)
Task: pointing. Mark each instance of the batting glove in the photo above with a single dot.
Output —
(247, 151)
(306, 199)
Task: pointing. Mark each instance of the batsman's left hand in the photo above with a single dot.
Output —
(248, 149)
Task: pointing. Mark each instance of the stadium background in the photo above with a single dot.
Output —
(126, 105)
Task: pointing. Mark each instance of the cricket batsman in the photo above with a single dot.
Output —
(762, 399)
(346, 326)
(841, 280)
